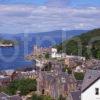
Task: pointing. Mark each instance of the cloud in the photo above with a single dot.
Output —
(25, 19)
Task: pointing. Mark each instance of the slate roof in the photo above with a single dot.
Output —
(90, 77)
(76, 95)
(15, 98)
(4, 96)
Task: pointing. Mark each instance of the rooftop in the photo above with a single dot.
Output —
(76, 95)
(90, 77)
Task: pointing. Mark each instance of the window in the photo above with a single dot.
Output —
(43, 91)
(96, 91)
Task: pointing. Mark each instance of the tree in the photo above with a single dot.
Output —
(25, 86)
(72, 46)
(79, 76)
(98, 54)
(47, 55)
(41, 97)
(67, 69)
(61, 98)
(47, 67)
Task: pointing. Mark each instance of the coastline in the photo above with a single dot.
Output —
(6, 45)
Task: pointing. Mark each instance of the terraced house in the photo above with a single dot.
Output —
(55, 84)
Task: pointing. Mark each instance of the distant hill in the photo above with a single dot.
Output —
(56, 36)
(89, 42)
(49, 33)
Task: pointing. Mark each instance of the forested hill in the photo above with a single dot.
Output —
(89, 43)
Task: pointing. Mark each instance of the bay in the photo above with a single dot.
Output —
(14, 57)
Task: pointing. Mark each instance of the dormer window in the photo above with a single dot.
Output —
(96, 91)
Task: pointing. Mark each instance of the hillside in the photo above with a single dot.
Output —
(89, 43)
(44, 38)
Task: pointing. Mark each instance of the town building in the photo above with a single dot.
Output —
(76, 95)
(24, 75)
(40, 50)
(4, 80)
(6, 77)
(73, 61)
(91, 85)
(55, 84)
(55, 54)
(92, 64)
(79, 69)
(9, 72)
(40, 63)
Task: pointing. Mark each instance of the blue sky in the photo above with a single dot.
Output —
(41, 2)
(86, 2)
(29, 16)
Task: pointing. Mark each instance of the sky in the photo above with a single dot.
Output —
(33, 16)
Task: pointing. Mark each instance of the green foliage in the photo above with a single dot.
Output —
(79, 76)
(88, 42)
(25, 86)
(41, 97)
(47, 67)
(2, 89)
(61, 98)
(47, 55)
(67, 69)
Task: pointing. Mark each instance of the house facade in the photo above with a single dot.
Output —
(54, 84)
(91, 86)
(55, 54)
(24, 75)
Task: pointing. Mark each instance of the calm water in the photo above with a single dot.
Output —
(14, 57)
(10, 60)
(25, 47)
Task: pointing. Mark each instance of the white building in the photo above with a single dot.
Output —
(9, 72)
(40, 63)
(79, 69)
(26, 75)
(91, 85)
(55, 54)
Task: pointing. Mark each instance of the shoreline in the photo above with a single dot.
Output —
(6, 45)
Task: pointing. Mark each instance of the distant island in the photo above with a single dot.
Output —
(7, 43)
